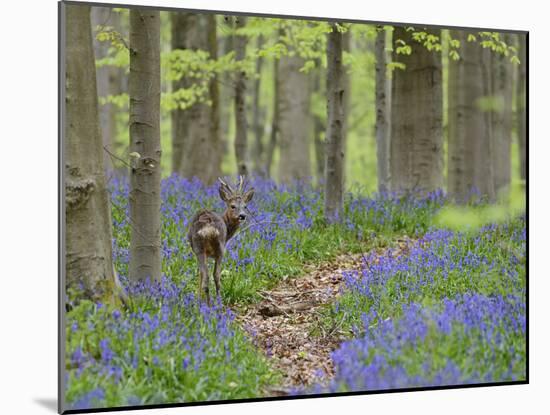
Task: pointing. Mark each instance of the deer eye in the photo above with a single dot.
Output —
(233, 207)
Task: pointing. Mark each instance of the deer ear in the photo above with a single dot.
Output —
(225, 190)
(224, 194)
(247, 197)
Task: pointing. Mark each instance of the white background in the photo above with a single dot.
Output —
(28, 217)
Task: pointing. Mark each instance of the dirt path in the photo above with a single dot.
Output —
(286, 323)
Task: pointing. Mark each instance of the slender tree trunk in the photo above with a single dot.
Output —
(108, 82)
(502, 91)
(241, 126)
(521, 107)
(227, 89)
(89, 266)
(346, 47)
(416, 148)
(144, 91)
(275, 121)
(334, 168)
(258, 116)
(195, 130)
(319, 124)
(180, 118)
(216, 145)
(483, 152)
(383, 103)
(294, 120)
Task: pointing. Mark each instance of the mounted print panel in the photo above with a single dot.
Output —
(276, 207)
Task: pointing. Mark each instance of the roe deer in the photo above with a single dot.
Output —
(209, 232)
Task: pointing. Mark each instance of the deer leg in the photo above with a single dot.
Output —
(218, 267)
(217, 270)
(203, 281)
(200, 281)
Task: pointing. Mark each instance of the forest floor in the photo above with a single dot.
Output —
(287, 324)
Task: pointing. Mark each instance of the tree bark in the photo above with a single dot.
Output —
(258, 115)
(294, 120)
(144, 91)
(216, 145)
(108, 81)
(180, 118)
(241, 125)
(319, 124)
(502, 93)
(469, 158)
(275, 121)
(416, 148)
(334, 167)
(483, 161)
(383, 103)
(89, 266)
(195, 130)
(227, 88)
(521, 114)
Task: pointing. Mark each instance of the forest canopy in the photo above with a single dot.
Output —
(199, 64)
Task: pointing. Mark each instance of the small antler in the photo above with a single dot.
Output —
(224, 184)
(241, 184)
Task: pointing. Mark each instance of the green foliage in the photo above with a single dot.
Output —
(184, 98)
(493, 41)
(515, 60)
(366, 31)
(450, 46)
(402, 48)
(428, 40)
(471, 218)
(119, 100)
(118, 55)
(490, 104)
(396, 65)
(194, 64)
(318, 106)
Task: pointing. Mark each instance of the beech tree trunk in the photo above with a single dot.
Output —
(258, 115)
(416, 148)
(89, 266)
(144, 91)
(521, 105)
(334, 167)
(108, 81)
(195, 130)
(241, 125)
(383, 102)
(215, 144)
(319, 124)
(274, 122)
(181, 37)
(227, 89)
(294, 120)
(484, 160)
(469, 158)
(502, 92)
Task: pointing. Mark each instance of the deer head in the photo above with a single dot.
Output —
(235, 200)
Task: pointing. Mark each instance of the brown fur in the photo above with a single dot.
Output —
(209, 232)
